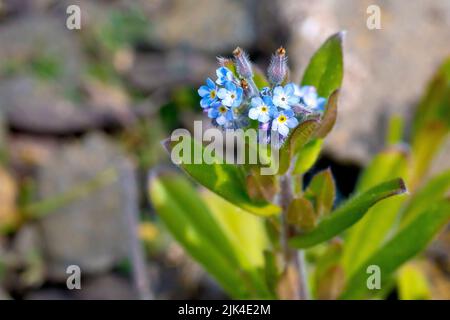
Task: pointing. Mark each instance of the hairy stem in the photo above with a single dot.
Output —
(293, 259)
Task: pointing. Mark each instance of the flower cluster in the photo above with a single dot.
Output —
(234, 101)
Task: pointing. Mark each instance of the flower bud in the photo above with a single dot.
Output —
(225, 62)
(278, 69)
(243, 64)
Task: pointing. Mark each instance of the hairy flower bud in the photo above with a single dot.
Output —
(225, 62)
(278, 69)
(243, 64)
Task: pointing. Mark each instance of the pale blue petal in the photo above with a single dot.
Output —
(321, 103)
(292, 122)
(277, 91)
(222, 93)
(289, 89)
(263, 118)
(205, 102)
(213, 113)
(230, 86)
(253, 113)
(283, 130)
(203, 91)
(221, 120)
(256, 102)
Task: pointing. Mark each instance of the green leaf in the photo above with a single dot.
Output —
(325, 70)
(193, 226)
(326, 268)
(301, 214)
(248, 236)
(348, 214)
(322, 191)
(226, 180)
(367, 235)
(272, 272)
(434, 190)
(431, 123)
(404, 245)
(434, 105)
(412, 284)
(307, 156)
(299, 136)
(395, 130)
(261, 186)
(246, 232)
(259, 78)
(425, 145)
(329, 117)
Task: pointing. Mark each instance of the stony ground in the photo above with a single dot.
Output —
(77, 108)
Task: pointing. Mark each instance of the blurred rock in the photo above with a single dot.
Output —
(15, 7)
(26, 152)
(106, 287)
(33, 106)
(41, 43)
(91, 231)
(177, 276)
(3, 295)
(165, 70)
(385, 70)
(215, 26)
(3, 142)
(109, 105)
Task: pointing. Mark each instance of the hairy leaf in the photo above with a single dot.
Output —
(329, 117)
(348, 214)
(367, 235)
(299, 136)
(307, 156)
(226, 180)
(301, 214)
(321, 191)
(192, 224)
(404, 245)
(325, 70)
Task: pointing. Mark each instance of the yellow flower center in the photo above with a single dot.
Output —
(222, 109)
(212, 94)
(233, 96)
(282, 119)
(263, 109)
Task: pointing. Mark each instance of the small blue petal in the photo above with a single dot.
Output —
(210, 83)
(203, 91)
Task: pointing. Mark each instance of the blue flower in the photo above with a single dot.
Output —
(224, 75)
(265, 91)
(285, 97)
(262, 109)
(208, 94)
(231, 95)
(221, 114)
(310, 99)
(284, 121)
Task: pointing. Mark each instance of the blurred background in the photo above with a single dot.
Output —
(82, 113)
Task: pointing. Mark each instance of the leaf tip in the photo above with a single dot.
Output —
(342, 34)
(402, 187)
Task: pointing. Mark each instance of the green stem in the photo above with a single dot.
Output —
(290, 255)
